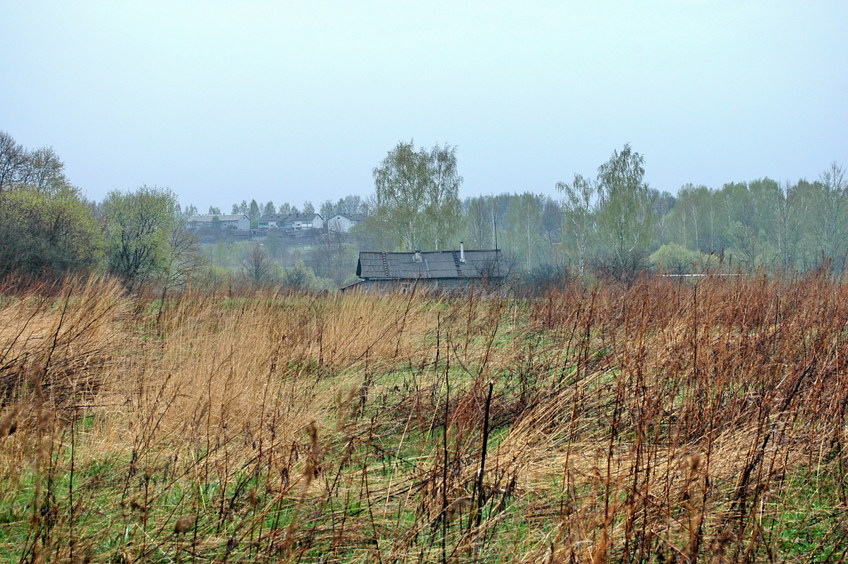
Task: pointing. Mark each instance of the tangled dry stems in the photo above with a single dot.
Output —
(666, 421)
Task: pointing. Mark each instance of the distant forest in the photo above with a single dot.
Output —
(609, 223)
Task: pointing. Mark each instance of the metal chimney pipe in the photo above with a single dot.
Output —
(461, 252)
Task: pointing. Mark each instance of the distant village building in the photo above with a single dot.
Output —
(304, 221)
(235, 222)
(270, 222)
(342, 222)
(291, 222)
(433, 271)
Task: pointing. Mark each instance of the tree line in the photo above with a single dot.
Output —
(613, 223)
(48, 228)
(610, 223)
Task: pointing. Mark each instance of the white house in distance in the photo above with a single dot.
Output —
(304, 221)
(237, 221)
(342, 222)
(291, 222)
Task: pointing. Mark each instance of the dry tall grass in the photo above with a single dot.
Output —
(665, 422)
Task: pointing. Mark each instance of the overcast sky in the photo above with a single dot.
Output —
(294, 101)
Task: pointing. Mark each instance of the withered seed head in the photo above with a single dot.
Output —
(184, 524)
(694, 462)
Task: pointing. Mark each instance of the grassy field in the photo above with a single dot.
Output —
(664, 422)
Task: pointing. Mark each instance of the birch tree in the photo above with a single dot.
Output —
(417, 196)
(579, 216)
(625, 214)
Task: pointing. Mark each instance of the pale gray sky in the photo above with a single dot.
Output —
(291, 101)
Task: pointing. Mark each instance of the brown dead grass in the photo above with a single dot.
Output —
(664, 421)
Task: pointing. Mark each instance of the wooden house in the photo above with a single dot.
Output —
(440, 271)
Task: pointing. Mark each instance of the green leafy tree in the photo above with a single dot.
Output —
(664, 203)
(188, 211)
(327, 209)
(479, 222)
(259, 269)
(332, 257)
(625, 212)
(44, 171)
(182, 262)
(418, 196)
(13, 161)
(745, 246)
(443, 208)
(734, 203)
(41, 169)
(351, 204)
(301, 278)
(253, 214)
(372, 233)
(46, 233)
(46, 228)
(275, 245)
(524, 241)
(183, 258)
(138, 227)
(578, 217)
(695, 217)
(677, 259)
(825, 208)
(787, 228)
(551, 221)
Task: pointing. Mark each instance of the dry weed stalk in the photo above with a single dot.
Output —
(664, 420)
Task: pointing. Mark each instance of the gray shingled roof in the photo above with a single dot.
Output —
(438, 264)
